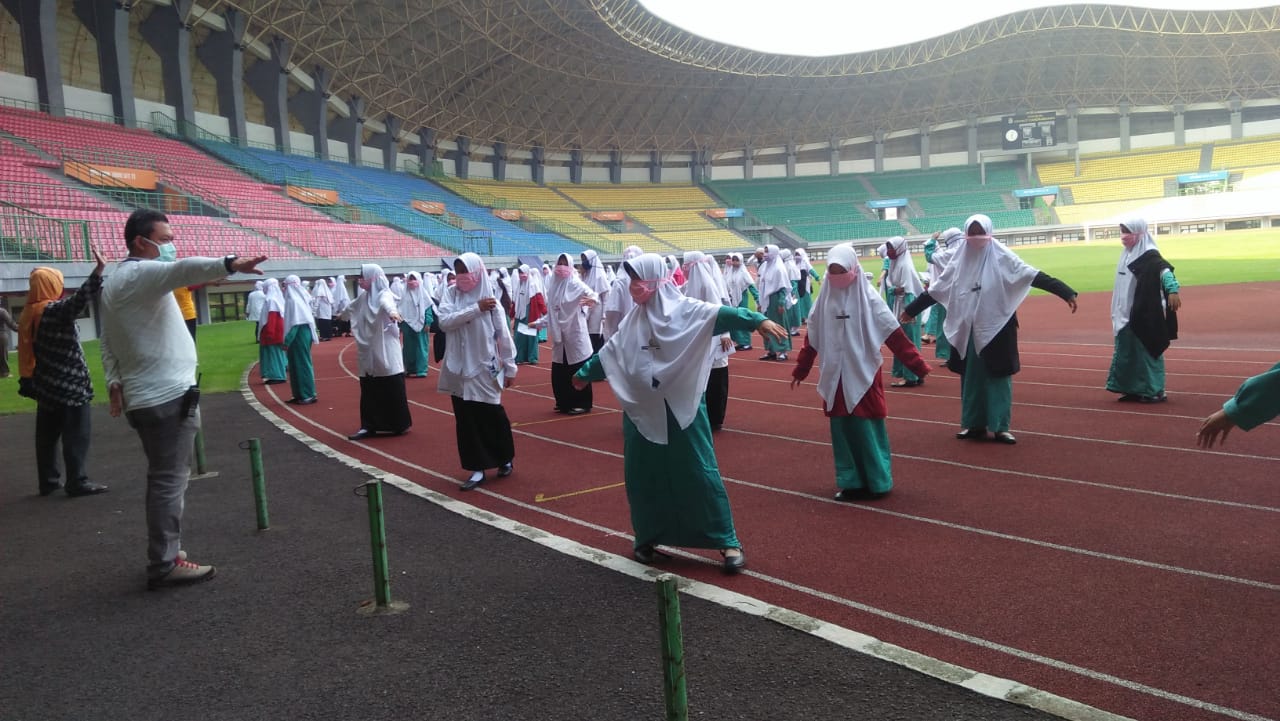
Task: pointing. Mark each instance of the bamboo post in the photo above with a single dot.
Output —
(671, 636)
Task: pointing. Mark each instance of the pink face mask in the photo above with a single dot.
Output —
(414, 284)
(564, 271)
(1129, 239)
(979, 241)
(467, 282)
(643, 290)
(841, 280)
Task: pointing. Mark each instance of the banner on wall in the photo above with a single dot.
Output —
(312, 196)
(429, 207)
(724, 212)
(609, 216)
(508, 214)
(110, 175)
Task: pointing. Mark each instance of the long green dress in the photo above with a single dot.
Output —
(742, 338)
(937, 314)
(776, 301)
(302, 374)
(792, 316)
(1133, 370)
(1257, 401)
(986, 401)
(804, 303)
(675, 492)
(912, 330)
(414, 347)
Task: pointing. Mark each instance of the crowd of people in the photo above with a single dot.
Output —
(659, 330)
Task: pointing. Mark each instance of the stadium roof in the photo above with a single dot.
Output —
(601, 74)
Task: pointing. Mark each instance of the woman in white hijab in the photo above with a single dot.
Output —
(567, 299)
(253, 307)
(804, 288)
(598, 281)
(341, 305)
(775, 293)
(849, 323)
(740, 285)
(901, 287)
(322, 305)
(415, 306)
(479, 362)
(1144, 316)
(273, 363)
(618, 303)
(300, 334)
(531, 310)
(705, 283)
(937, 252)
(384, 407)
(792, 318)
(981, 288)
(657, 365)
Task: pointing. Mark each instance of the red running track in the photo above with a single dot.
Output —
(1104, 558)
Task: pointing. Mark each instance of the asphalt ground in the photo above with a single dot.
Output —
(497, 627)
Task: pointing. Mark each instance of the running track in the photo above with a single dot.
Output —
(1104, 558)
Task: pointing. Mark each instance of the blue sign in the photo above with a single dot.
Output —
(733, 212)
(1035, 192)
(1187, 178)
(888, 203)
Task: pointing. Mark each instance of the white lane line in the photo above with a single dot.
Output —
(1175, 349)
(847, 638)
(1107, 358)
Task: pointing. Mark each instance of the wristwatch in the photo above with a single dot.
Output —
(227, 260)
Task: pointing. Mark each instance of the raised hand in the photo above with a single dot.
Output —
(249, 266)
(97, 256)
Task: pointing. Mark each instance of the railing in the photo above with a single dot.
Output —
(75, 113)
(27, 236)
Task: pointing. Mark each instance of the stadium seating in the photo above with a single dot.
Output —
(1231, 156)
(637, 196)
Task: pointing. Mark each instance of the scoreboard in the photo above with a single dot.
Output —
(1033, 130)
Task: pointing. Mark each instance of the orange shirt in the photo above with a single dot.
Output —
(185, 303)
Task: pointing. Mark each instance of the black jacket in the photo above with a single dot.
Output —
(1149, 318)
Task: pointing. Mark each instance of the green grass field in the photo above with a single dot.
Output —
(225, 350)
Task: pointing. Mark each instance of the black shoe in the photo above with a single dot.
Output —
(506, 470)
(85, 489)
(1005, 437)
(1129, 398)
(644, 554)
(849, 495)
(1161, 398)
(972, 434)
(476, 479)
(272, 382)
(769, 356)
(292, 401)
(558, 409)
(359, 435)
(48, 488)
(307, 401)
(577, 411)
(734, 564)
(741, 348)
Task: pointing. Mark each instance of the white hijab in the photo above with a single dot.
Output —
(527, 289)
(981, 288)
(847, 328)
(702, 278)
(789, 261)
(619, 299)
(320, 291)
(365, 326)
(948, 241)
(479, 345)
(563, 295)
(658, 359)
(1122, 293)
(595, 277)
(902, 271)
(397, 287)
(297, 307)
(341, 298)
(414, 303)
(772, 275)
(737, 280)
(272, 303)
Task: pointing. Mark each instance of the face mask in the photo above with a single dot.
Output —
(841, 280)
(168, 251)
(364, 284)
(467, 282)
(891, 252)
(1129, 239)
(524, 277)
(643, 290)
(414, 284)
(564, 271)
(979, 241)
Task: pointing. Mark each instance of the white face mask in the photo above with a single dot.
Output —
(168, 251)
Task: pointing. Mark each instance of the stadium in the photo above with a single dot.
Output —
(1105, 569)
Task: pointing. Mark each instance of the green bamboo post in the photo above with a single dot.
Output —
(378, 543)
(202, 465)
(672, 638)
(259, 483)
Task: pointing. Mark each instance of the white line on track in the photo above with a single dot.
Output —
(1175, 349)
(1009, 691)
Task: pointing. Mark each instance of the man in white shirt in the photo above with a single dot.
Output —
(150, 363)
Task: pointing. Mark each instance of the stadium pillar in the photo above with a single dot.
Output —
(615, 166)
(500, 161)
(655, 166)
(109, 25)
(575, 166)
(462, 158)
(1124, 127)
(971, 132)
(704, 161)
(426, 150)
(924, 146)
(538, 164)
(791, 160)
(1179, 124)
(223, 54)
(834, 144)
(37, 25)
(269, 80)
(1237, 124)
(748, 162)
(1073, 122)
(878, 167)
(168, 32)
(388, 141)
(355, 143)
(311, 108)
